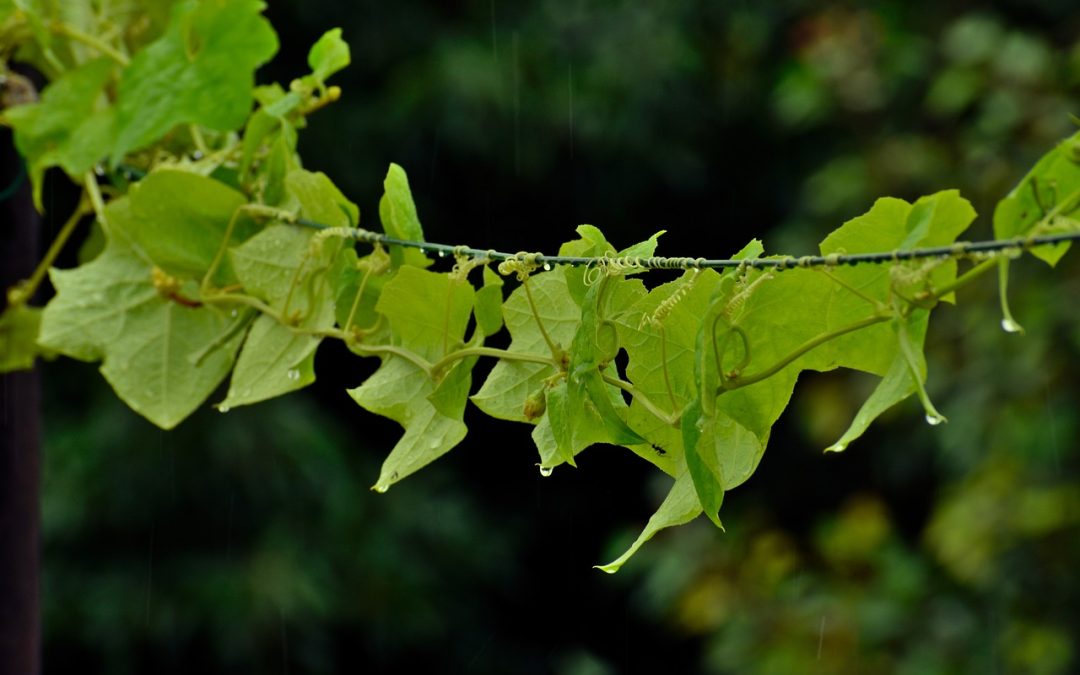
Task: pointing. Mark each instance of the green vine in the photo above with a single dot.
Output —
(224, 258)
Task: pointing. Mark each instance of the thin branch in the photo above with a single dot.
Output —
(737, 382)
(21, 293)
(671, 419)
(492, 352)
(556, 353)
(67, 30)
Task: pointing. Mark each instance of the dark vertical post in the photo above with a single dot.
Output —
(20, 445)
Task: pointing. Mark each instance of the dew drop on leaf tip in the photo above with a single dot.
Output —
(381, 489)
(1010, 326)
(934, 420)
(836, 447)
(222, 408)
(546, 471)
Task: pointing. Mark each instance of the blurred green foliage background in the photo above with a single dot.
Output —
(249, 542)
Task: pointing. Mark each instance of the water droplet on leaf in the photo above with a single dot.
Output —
(222, 408)
(836, 447)
(1010, 326)
(546, 471)
(233, 313)
(196, 155)
(293, 374)
(933, 419)
(547, 267)
(381, 489)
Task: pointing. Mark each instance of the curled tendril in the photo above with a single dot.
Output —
(720, 351)
(522, 264)
(593, 273)
(738, 300)
(665, 308)
(465, 263)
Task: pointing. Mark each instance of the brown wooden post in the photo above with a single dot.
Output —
(20, 445)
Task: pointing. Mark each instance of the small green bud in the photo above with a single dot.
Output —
(535, 405)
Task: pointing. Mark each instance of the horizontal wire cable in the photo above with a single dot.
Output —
(780, 263)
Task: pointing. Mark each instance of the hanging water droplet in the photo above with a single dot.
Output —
(381, 488)
(442, 254)
(546, 471)
(99, 170)
(222, 408)
(293, 374)
(196, 155)
(547, 267)
(1010, 326)
(836, 447)
(934, 419)
(234, 313)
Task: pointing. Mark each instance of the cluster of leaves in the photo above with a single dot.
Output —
(203, 272)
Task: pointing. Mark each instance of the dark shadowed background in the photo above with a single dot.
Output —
(250, 542)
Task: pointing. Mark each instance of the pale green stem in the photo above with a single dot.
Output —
(664, 367)
(493, 353)
(356, 300)
(737, 382)
(235, 299)
(965, 278)
(220, 255)
(93, 190)
(67, 30)
(555, 351)
(1008, 323)
(671, 419)
(409, 356)
(22, 293)
(877, 304)
(197, 137)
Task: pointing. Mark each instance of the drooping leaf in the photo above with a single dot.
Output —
(427, 314)
(399, 390)
(701, 462)
(896, 386)
(275, 360)
(163, 358)
(70, 127)
(201, 71)
(679, 507)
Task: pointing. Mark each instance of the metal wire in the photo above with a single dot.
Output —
(780, 263)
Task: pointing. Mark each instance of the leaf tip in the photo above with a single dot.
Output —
(610, 568)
